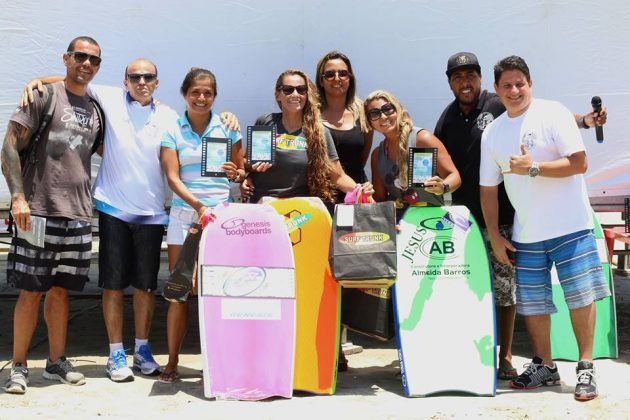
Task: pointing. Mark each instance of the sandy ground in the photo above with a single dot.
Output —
(369, 389)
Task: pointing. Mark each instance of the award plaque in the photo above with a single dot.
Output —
(214, 153)
(422, 165)
(261, 144)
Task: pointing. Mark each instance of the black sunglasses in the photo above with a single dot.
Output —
(341, 74)
(287, 90)
(80, 57)
(148, 77)
(375, 113)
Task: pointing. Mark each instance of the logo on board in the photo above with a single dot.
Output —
(237, 226)
(439, 248)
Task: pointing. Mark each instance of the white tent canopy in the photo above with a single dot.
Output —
(575, 50)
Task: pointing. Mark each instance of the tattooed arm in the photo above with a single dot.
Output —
(15, 140)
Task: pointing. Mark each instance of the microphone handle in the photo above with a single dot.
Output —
(599, 133)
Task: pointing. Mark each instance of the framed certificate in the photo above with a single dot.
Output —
(422, 165)
(261, 144)
(214, 153)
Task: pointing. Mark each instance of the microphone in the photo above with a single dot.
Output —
(596, 102)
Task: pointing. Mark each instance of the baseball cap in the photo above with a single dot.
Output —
(462, 59)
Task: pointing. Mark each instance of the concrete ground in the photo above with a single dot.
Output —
(369, 389)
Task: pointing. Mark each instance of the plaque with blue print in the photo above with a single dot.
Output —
(214, 153)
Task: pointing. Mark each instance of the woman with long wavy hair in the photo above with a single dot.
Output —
(342, 113)
(390, 159)
(307, 163)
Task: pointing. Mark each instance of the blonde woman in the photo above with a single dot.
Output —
(389, 160)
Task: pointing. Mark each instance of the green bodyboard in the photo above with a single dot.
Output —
(444, 304)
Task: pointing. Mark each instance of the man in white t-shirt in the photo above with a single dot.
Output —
(535, 148)
(129, 195)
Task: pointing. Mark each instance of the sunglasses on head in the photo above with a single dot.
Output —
(341, 74)
(375, 113)
(80, 57)
(148, 77)
(287, 90)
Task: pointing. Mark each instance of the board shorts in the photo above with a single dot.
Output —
(179, 222)
(129, 254)
(64, 261)
(503, 276)
(579, 269)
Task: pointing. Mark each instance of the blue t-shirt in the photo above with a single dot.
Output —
(181, 137)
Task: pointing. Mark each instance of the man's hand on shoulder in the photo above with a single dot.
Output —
(27, 94)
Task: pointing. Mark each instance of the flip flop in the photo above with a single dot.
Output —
(169, 377)
(507, 374)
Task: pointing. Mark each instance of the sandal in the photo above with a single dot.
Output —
(507, 373)
(169, 377)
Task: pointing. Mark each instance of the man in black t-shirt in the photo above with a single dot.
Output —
(460, 128)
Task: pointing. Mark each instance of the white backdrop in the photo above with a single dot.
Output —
(575, 49)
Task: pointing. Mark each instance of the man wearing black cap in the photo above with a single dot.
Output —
(460, 128)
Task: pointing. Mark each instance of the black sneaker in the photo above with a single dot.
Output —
(17, 383)
(62, 370)
(536, 374)
(586, 387)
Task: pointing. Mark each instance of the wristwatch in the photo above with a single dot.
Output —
(534, 170)
(446, 187)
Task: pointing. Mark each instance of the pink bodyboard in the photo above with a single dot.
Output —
(247, 304)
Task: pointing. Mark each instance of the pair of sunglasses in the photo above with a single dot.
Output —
(288, 90)
(341, 74)
(375, 113)
(80, 57)
(135, 77)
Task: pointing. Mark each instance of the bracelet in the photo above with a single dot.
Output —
(583, 123)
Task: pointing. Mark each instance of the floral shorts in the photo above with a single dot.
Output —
(504, 276)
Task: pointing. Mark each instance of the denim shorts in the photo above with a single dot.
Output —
(129, 254)
(578, 266)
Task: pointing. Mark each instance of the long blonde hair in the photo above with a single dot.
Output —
(405, 126)
(319, 166)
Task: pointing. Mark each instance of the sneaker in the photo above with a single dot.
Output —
(117, 369)
(17, 383)
(62, 370)
(586, 387)
(144, 362)
(535, 375)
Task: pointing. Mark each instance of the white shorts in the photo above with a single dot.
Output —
(179, 221)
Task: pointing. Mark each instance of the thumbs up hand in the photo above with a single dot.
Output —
(520, 164)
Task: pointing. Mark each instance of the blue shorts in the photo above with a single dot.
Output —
(578, 266)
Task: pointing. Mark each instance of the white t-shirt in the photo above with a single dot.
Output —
(130, 178)
(545, 207)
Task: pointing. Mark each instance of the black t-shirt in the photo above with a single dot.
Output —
(287, 178)
(461, 135)
(349, 145)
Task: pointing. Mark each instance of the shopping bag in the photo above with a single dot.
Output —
(369, 312)
(180, 281)
(363, 245)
